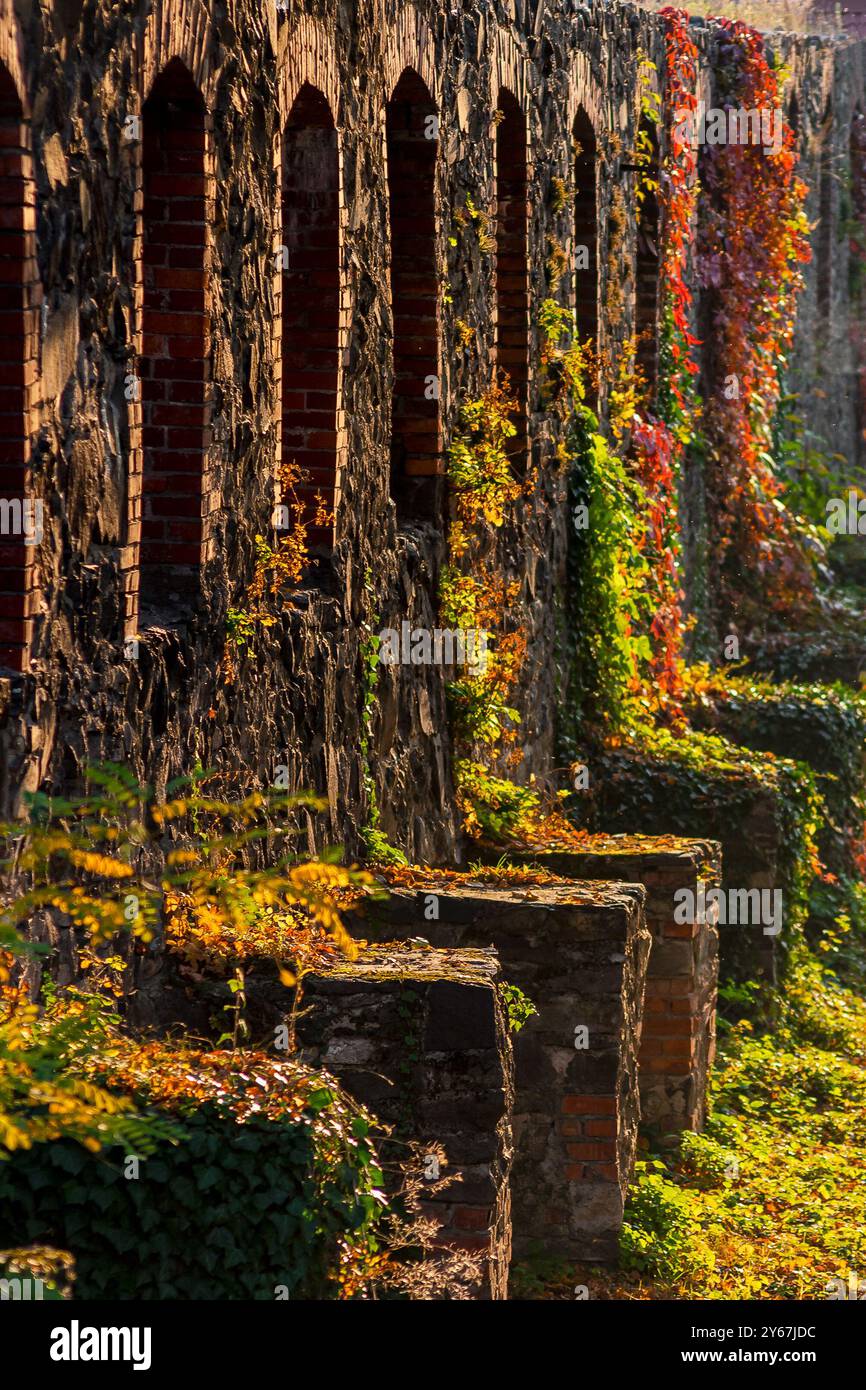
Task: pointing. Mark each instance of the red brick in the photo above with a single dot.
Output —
(600, 1129)
(570, 1128)
(585, 1151)
(589, 1105)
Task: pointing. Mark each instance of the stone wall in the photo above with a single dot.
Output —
(236, 235)
(412, 1029)
(738, 812)
(421, 1037)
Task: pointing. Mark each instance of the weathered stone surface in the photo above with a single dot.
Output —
(679, 1024)
(737, 811)
(82, 76)
(580, 953)
(82, 72)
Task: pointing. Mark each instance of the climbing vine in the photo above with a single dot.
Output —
(110, 859)
(626, 582)
(278, 570)
(473, 592)
(608, 566)
(753, 241)
(679, 187)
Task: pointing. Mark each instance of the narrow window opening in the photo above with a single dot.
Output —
(586, 238)
(647, 261)
(512, 266)
(311, 313)
(175, 365)
(416, 442)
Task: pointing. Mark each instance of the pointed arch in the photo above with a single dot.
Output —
(409, 45)
(306, 54)
(175, 362)
(512, 262)
(177, 30)
(586, 279)
(313, 326)
(411, 128)
(510, 68)
(176, 38)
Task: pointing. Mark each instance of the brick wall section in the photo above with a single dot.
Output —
(579, 952)
(420, 1036)
(679, 1023)
(512, 266)
(178, 211)
(313, 326)
(416, 441)
(586, 232)
(20, 298)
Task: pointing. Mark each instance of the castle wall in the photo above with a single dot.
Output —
(151, 307)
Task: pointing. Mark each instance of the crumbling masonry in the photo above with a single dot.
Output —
(227, 242)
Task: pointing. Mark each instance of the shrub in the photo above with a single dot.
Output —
(661, 1234)
(37, 1272)
(270, 1183)
(824, 726)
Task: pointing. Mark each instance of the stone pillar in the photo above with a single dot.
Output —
(679, 1025)
(579, 951)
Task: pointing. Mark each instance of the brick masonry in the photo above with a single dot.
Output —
(679, 1024)
(411, 124)
(175, 363)
(421, 1037)
(112, 480)
(512, 264)
(580, 953)
(312, 315)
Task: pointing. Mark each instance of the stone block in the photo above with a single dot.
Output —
(673, 1087)
(579, 951)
